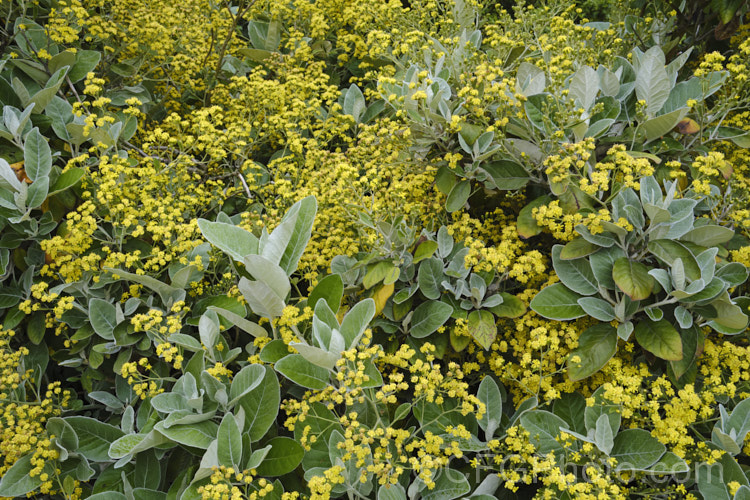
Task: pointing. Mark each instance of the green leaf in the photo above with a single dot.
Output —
(186, 342)
(669, 463)
(284, 456)
(450, 484)
(302, 372)
(168, 402)
(330, 289)
(37, 156)
(247, 379)
(596, 346)
(356, 322)
(557, 302)
(571, 407)
(603, 435)
(692, 346)
(728, 314)
(103, 317)
(657, 127)
(544, 428)
(38, 192)
(230, 239)
(708, 235)
(391, 492)
(253, 329)
(107, 495)
(428, 317)
(16, 481)
(354, 103)
(597, 308)
(489, 394)
(274, 351)
(305, 211)
(574, 274)
(733, 273)
(669, 250)
(584, 86)
(526, 224)
(632, 278)
(577, 248)
(458, 196)
(67, 180)
(86, 61)
(379, 272)
(94, 437)
(269, 273)
(739, 420)
(167, 293)
(36, 327)
(507, 175)
(131, 444)
(229, 440)
(261, 298)
(659, 338)
(261, 406)
(602, 406)
(530, 79)
(510, 307)
(425, 250)
(652, 84)
(429, 276)
(481, 326)
(197, 435)
(605, 240)
(636, 450)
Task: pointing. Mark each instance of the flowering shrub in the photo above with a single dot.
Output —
(425, 249)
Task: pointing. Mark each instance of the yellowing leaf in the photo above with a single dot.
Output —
(688, 126)
(381, 297)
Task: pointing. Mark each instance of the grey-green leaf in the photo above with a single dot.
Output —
(596, 346)
(37, 155)
(103, 317)
(94, 437)
(636, 449)
(428, 317)
(557, 302)
(458, 196)
(229, 440)
(576, 274)
(303, 373)
(283, 457)
(597, 308)
(489, 394)
(429, 277)
(230, 239)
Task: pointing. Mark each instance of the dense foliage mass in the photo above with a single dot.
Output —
(431, 249)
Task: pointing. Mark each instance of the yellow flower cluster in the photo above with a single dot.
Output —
(143, 385)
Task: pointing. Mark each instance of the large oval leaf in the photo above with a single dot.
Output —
(507, 175)
(557, 302)
(596, 346)
(659, 338)
(636, 449)
(428, 317)
(283, 457)
(302, 372)
(632, 278)
(482, 327)
(575, 274)
(669, 251)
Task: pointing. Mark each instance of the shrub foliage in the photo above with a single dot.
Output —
(376, 249)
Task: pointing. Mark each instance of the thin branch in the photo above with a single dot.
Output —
(244, 185)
